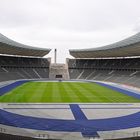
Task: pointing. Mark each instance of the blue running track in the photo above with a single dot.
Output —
(81, 123)
(129, 93)
(87, 127)
(5, 89)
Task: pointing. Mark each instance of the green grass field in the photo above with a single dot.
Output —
(65, 92)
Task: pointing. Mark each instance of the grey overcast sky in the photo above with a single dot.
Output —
(69, 24)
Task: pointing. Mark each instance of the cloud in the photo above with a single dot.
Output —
(137, 25)
(68, 24)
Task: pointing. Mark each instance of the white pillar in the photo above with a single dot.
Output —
(55, 55)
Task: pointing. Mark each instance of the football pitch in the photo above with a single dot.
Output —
(65, 92)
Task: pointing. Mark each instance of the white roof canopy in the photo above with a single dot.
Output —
(125, 48)
(10, 47)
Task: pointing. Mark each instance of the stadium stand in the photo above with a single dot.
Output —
(13, 68)
(18, 61)
(125, 71)
(118, 62)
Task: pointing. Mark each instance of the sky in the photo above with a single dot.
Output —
(69, 24)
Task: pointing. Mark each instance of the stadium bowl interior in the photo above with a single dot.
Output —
(96, 95)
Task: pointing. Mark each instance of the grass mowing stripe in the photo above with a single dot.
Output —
(102, 95)
(38, 92)
(94, 94)
(114, 96)
(46, 96)
(63, 92)
(56, 93)
(77, 90)
(14, 96)
(86, 93)
(73, 97)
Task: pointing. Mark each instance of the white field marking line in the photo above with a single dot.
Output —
(46, 104)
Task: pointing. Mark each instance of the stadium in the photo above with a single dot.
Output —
(95, 95)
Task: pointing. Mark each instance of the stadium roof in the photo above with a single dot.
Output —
(126, 48)
(10, 47)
